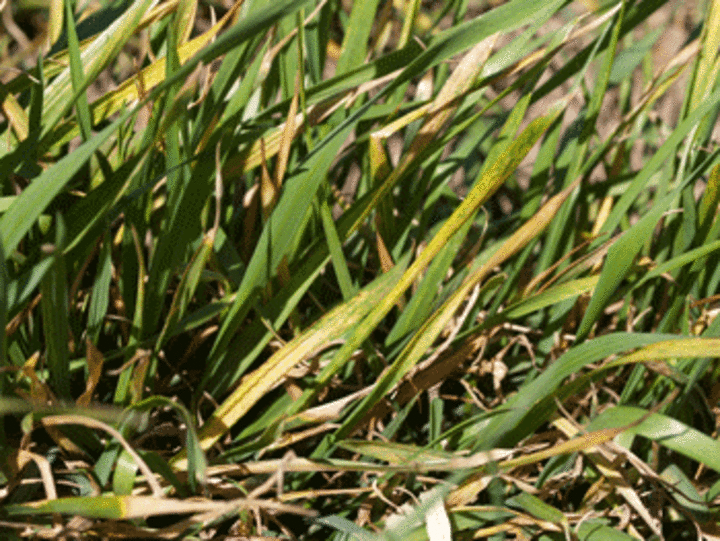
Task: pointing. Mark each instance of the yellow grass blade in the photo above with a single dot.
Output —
(55, 22)
(253, 387)
(17, 117)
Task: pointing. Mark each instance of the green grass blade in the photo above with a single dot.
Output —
(28, 206)
(197, 462)
(4, 304)
(342, 273)
(666, 431)
(100, 297)
(354, 45)
(185, 290)
(76, 73)
(618, 263)
(549, 297)
(54, 306)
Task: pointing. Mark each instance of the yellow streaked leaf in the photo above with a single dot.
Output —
(431, 329)
(550, 296)
(670, 349)
(491, 179)
(710, 199)
(288, 134)
(133, 507)
(17, 117)
(395, 453)
(55, 22)
(444, 105)
(253, 387)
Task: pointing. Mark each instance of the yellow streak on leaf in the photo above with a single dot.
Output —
(55, 23)
(255, 385)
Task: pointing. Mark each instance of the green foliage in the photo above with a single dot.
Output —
(372, 269)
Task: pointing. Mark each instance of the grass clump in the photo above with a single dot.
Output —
(323, 269)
